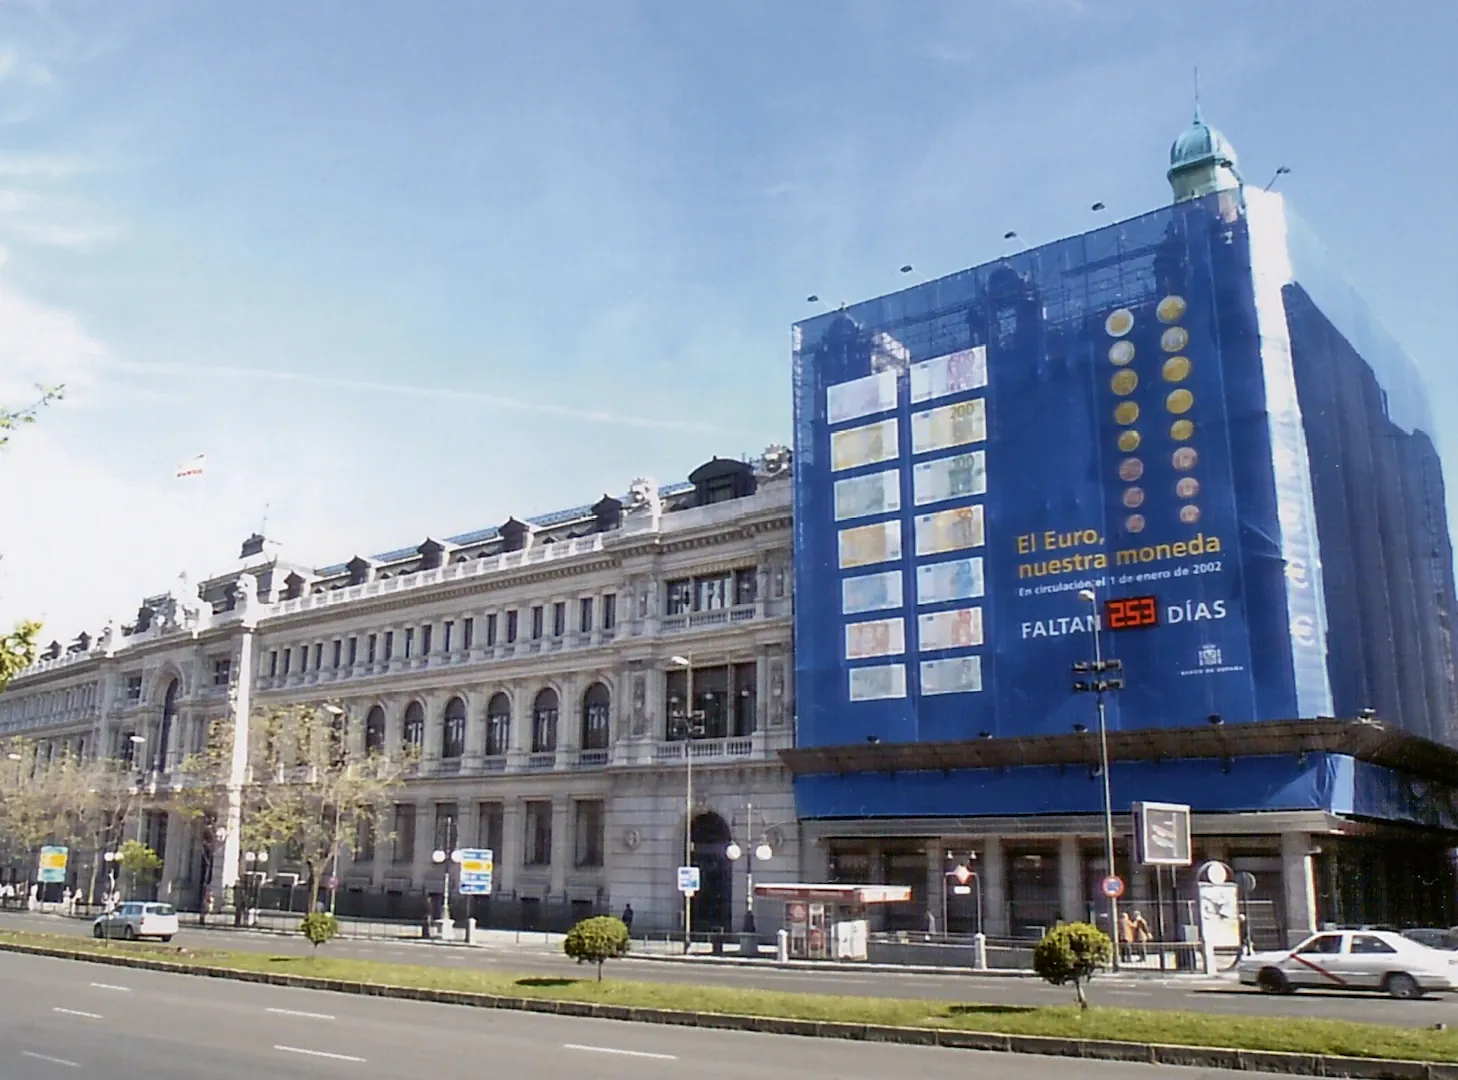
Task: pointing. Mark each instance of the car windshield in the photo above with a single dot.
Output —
(160, 909)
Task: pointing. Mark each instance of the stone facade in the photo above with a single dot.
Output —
(535, 663)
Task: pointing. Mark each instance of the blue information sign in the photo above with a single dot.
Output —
(477, 868)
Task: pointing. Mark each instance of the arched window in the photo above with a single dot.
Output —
(164, 730)
(453, 729)
(375, 731)
(544, 722)
(415, 726)
(596, 705)
(498, 725)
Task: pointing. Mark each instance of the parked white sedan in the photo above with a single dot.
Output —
(1354, 960)
(135, 919)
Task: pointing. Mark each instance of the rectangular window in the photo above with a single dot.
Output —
(445, 827)
(491, 630)
(584, 614)
(318, 655)
(409, 642)
(288, 658)
(353, 651)
(389, 645)
(489, 826)
(364, 840)
(711, 593)
(426, 634)
(559, 619)
(537, 622)
(370, 648)
(338, 651)
(587, 833)
(680, 596)
(272, 664)
(511, 626)
(222, 672)
(468, 633)
(609, 611)
(538, 840)
(447, 628)
(746, 582)
(453, 734)
(404, 833)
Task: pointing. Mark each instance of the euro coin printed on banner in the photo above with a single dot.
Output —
(1171, 309)
(1180, 401)
(1131, 469)
(1190, 514)
(1185, 458)
(1121, 352)
(1174, 339)
(1129, 441)
(1134, 523)
(1187, 488)
(1124, 382)
(1182, 430)
(1176, 369)
(1126, 412)
(1133, 498)
(1119, 322)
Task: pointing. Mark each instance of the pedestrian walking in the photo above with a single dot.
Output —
(628, 917)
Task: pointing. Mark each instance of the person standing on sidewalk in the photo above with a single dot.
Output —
(1141, 935)
(628, 917)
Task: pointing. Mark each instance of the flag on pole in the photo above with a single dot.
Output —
(193, 467)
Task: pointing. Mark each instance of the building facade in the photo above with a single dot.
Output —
(557, 678)
(1179, 442)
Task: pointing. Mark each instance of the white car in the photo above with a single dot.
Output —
(135, 919)
(1354, 960)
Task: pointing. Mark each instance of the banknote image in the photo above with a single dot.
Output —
(954, 373)
(951, 425)
(880, 637)
(863, 445)
(866, 545)
(862, 496)
(954, 675)
(949, 530)
(960, 579)
(871, 592)
(881, 681)
(860, 397)
(950, 629)
(950, 478)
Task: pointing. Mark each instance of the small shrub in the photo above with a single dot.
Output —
(1071, 954)
(596, 940)
(319, 927)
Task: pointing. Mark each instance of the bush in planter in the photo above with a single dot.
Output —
(1072, 953)
(597, 940)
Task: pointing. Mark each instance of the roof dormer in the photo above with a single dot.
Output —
(607, 514)
(432, 553)
(721, 479)
(515, 535)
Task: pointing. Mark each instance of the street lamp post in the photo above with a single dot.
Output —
(751, 851)
(443, 859)
(1099, 686)
(690, 728)
(250, 860)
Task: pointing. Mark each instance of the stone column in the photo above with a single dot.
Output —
(1070, 880)
(508, 859)
(993, 868)
(1299, 882)
(174, 861)
(241, 710)
(424, 845)
(561, 846)
(936, 881)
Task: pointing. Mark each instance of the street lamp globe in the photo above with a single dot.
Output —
(764, 853)
(732, 852)
(1086, 595)
(437, 856)
(456, 855)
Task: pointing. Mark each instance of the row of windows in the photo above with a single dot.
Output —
(712, 592)
(595, 730)
(49, 703)
(422, 640)
(589, 818)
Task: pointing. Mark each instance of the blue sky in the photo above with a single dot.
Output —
(406, 269)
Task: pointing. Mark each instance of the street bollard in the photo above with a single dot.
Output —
(979, 951)
(782, 946)
(470, 931)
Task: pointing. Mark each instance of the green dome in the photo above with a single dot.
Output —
(1201, 160)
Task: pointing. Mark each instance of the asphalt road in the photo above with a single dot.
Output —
(64, 1018)
(1135, 992)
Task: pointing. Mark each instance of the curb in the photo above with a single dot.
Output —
(1271, 1061)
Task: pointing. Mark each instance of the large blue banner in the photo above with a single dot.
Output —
(975, 453)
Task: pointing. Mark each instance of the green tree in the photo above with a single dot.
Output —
(1072, 953)
(319, 927)
(138, 859)
(597, 940)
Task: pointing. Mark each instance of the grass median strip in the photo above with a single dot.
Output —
(1330, 1037)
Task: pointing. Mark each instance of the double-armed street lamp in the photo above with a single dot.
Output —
(690, 725)
(1107, 675)
(443, 859)
(761, 851)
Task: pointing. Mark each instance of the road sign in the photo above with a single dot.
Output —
(1162, 834)
(53, 864)
(1112, 887)
(688, 879)
(478, 866)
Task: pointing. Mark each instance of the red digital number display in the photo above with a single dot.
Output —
(1131, 613)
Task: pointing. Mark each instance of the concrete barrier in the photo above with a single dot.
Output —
(1268, 1061)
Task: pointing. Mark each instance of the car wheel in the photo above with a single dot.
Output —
(1403, 986)
(1274, 981)
(96, 932)
(129, 933)
(166, 937)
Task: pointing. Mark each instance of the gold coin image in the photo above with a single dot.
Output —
(1119, 322)
(1134, 523)
(1126, 412)
(1180, 401)
(1185, 458)
(1190, 514)
(1176, 369)
(1121, 352)
(1174, 339)
(1181, 430)
(1129, 441)
(1124, 382)
(1171, 309)
(1131, 469)
(1133, 497)
(1187, 488)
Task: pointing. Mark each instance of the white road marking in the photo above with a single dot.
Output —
(76, 1012)
(52, 1060)
(316, 1053)
(108, 986)
(615, 1050)
(305, 1015)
